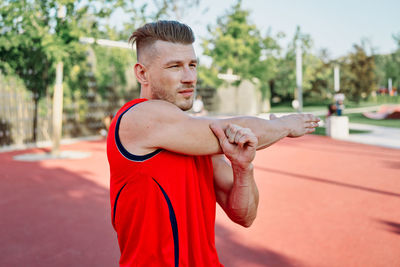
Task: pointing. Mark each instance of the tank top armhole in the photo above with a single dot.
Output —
(121, 148)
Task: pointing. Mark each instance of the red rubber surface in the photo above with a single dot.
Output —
(322, 203)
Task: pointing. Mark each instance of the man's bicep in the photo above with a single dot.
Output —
(168, 127)
(187, 135)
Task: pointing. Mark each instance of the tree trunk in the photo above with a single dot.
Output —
(35, 117)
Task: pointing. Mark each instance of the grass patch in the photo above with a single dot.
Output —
(360, 118)
(287, 109)
(321, 131)
(353, 117)
(315, 106)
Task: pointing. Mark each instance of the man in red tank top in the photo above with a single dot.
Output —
(168, 169)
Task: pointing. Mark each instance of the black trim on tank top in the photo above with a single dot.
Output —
(122, 149)
(174, 224)
(115, 204)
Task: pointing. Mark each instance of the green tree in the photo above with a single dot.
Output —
(388, 66)
(235, 43)
(26, 46)
(358, 78)
(34, 37)
(285, 79)
(269, 65)
(318, 79)
(152, 11)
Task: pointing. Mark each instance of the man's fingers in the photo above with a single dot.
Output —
(248, 139)
(231, 132)
(241, 132)
(311, 117)
(235, 135)
(311, 124)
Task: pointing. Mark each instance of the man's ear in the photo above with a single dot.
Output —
(140, 73)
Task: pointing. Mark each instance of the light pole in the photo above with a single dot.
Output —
(336, 73)
(58, 89)
(58, 99)
(299, 75)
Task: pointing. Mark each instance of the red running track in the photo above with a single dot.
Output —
(322, 203)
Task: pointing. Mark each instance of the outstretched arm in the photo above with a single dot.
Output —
(158, 124)
(270, 131)
(235, 189)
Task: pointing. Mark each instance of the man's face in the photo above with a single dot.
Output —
(172, 73)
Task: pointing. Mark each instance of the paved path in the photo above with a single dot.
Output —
(323, 202)
(377, 135)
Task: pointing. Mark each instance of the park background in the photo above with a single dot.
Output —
(323, 202)
(231, 37)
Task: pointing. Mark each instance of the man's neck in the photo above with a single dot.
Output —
(145, 93)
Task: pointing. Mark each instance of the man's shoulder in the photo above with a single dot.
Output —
(140, 124)
(147, 118)
(132, 102)
(152, 111)
(143, 104)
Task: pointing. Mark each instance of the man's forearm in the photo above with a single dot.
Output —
(243, 197)
(266, 131)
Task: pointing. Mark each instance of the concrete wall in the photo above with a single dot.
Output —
(244, 99)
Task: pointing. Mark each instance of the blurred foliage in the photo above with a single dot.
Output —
(34, 38)
(285, 78)
(207, 77)
(36, 34)
(388, 66)
(358, 79)
(152, 11)
(235, 43)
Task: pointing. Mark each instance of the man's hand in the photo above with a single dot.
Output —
(298, 124)
(235, 188)
(238, 144)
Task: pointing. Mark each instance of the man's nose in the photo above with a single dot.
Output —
(189, 75)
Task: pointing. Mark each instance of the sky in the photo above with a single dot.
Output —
(333, 25)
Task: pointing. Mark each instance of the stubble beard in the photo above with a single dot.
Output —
(160, 94)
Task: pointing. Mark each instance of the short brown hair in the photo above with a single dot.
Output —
(164, 30)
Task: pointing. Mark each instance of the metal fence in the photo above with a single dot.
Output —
(91, 114)
(88, 115)
(17, 115)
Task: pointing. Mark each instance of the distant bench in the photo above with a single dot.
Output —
(384, 112)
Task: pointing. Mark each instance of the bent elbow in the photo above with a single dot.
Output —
(243, 217)
(246, 222)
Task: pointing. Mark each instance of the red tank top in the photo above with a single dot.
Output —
(162, 205)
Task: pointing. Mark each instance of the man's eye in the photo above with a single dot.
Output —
(174, 66)
(193, 65)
